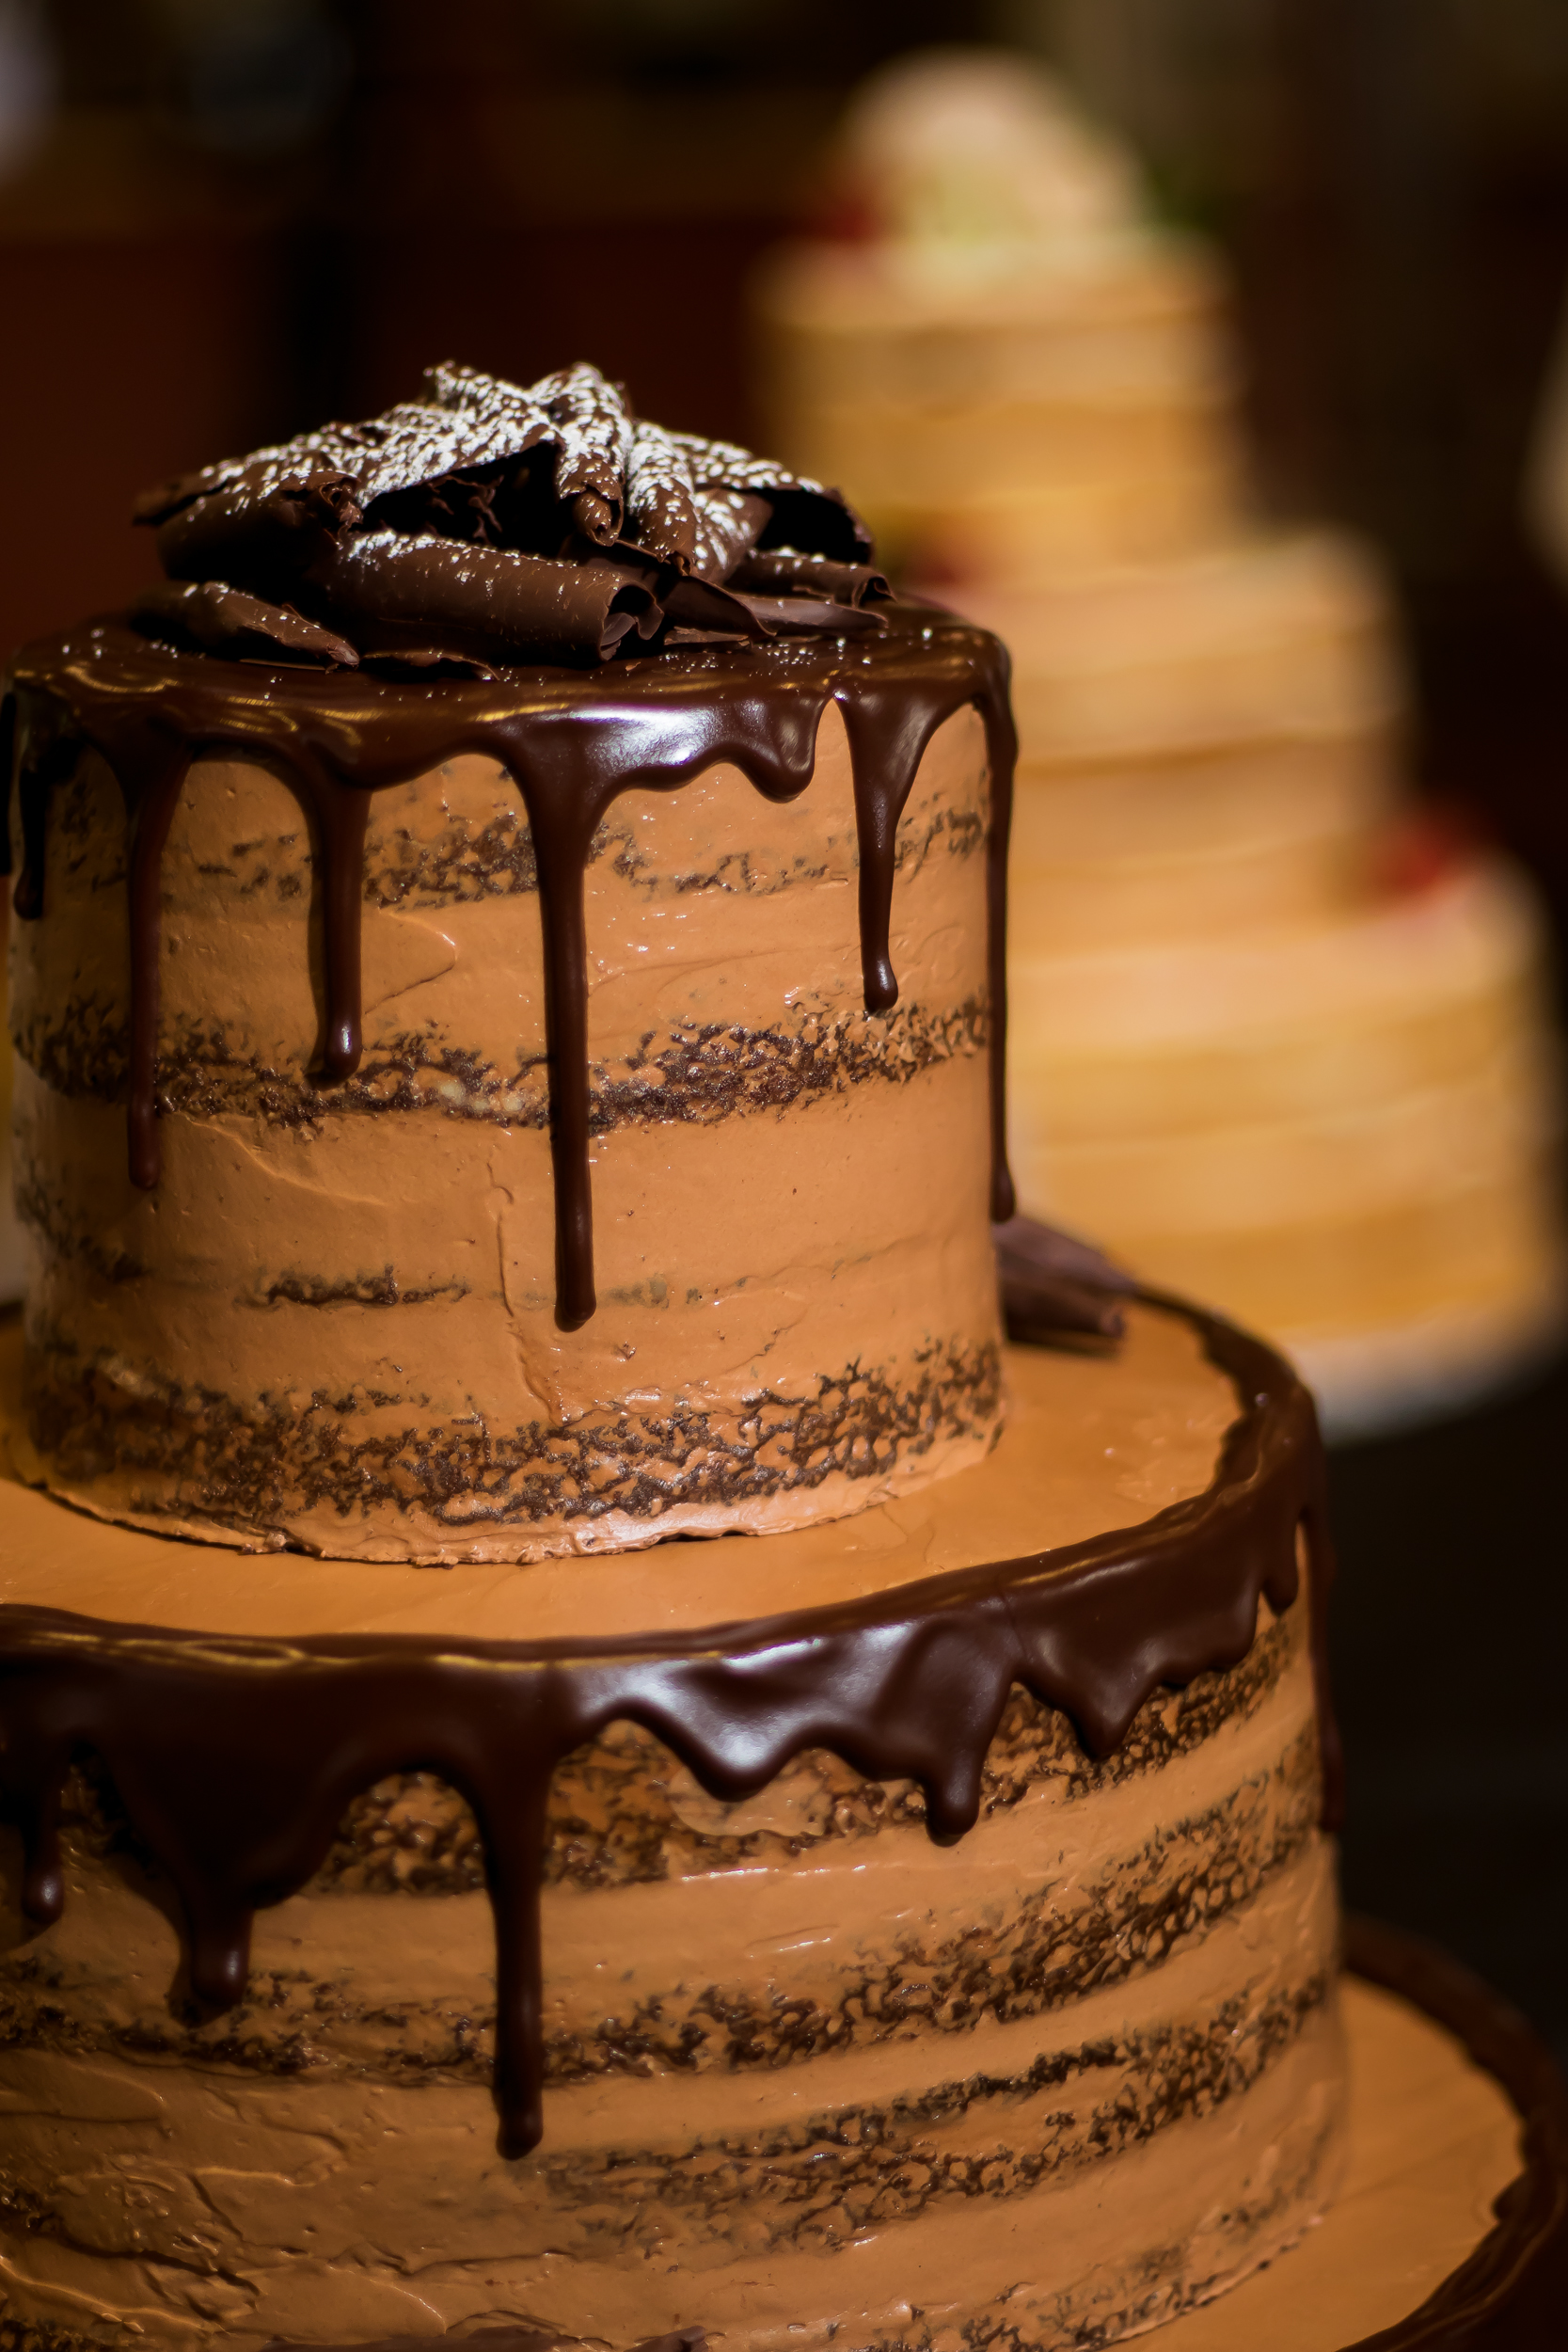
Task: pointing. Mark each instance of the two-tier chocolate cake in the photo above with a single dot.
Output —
(507, 988)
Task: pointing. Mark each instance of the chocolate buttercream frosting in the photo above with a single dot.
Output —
(522, 539)
(1507, 2296)
(572, 741)
(909, 1683)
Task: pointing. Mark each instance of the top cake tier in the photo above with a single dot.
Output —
(508, 999)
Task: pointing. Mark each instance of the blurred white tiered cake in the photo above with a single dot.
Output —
(1274, 1038)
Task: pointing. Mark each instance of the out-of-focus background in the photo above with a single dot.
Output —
(222, 219)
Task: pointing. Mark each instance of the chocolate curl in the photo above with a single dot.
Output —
(285, 527)
(661, 501)
(166, 498)
(594, 448)
(702, 605)
(327, 500)
(263, 540)
(728, 525)
(330, 448)
(783, 569)
(423, 661)
(486, 418)
(806, 513)
(821, 520)
(416, 442)
(1052, 1282)
(808, 616)
(489, 601)
(465, 504)
(225, 620)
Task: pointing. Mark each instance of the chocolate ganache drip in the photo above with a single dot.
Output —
(907, 1684)
(597, 604)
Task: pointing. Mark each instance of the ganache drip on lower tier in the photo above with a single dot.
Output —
(572, 742)
(236, 1758)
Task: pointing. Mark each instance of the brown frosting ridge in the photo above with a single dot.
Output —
(879, 2160)
(335, 1454)
(705, 1072)
(79, 1044)
(879, 2164)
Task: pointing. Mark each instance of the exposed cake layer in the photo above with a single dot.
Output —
(727, 1379)
(722, 935)
(334, 1324)
(1091, 1440)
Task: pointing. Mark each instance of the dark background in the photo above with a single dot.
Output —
(224, 219)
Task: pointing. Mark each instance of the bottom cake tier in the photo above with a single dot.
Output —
(1346, 1131)
(916, 1931)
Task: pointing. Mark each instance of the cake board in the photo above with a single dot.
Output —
(1451, 2226)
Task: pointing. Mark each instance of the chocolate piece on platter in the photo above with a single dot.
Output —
(1053, 1282)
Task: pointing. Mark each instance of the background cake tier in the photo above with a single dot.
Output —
(1274, 1038)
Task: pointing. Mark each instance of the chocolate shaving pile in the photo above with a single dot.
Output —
(485, 523)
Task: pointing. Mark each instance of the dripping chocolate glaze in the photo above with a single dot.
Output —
(571, 740)
(907, 1684)
(479, 525)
